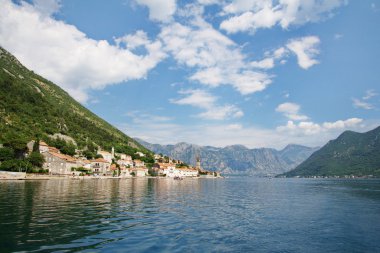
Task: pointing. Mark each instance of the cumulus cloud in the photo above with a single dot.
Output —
(159, 10)
(311, 128)
(291, 111)
(249, 16)
(204, 100)
(47, 7)
(65, 55)
(305, 49)
(341, 124)
(220, 135)
(215, 58)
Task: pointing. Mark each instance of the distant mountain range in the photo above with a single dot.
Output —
(350, 154)
(236, 159)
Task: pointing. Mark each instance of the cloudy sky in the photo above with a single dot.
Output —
(262, 73)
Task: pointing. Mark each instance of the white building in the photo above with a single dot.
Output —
(138, 163)
(43, 147)
(106, 155)
(125, 160)
(140, 154)
(100, 166)
(139, 172)
(188, 172)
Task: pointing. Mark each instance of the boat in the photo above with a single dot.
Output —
(178, 178)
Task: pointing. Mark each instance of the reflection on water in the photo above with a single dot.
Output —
(235, 214)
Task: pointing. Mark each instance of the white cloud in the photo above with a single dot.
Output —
(266, 63)
(357, 103)
(47, 7)
(220, 135)
(341, 124)
(252, 15)
(221, 113)
(198, 98)
(133, 41)
(310, 128)
(249, 21)
(159, 10)
(208, 2)
(305, 49)
(65, 55)
(215, 58)
(291, 111)
(204, 100)
(365, 102)
(370, 94)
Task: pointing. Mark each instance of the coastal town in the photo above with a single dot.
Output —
(114, 165)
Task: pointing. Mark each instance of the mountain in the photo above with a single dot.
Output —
(32, 107)
(350, 154)
(236, 159)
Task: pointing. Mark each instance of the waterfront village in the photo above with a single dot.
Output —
(115, 165)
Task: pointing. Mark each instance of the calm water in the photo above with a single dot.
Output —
(161, 215)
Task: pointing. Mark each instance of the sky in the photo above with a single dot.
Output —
(260, 73)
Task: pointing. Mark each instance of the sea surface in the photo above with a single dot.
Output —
(236, 214)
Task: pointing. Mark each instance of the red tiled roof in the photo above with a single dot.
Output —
(99, 160)
(42, 143)
(64, 157)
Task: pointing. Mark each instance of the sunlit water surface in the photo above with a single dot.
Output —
(235, 214)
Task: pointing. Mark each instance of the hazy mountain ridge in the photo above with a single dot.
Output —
(236, 159)
(351, 153)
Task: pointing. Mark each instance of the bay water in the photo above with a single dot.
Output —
(235, 214)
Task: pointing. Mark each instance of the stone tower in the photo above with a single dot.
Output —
(198, 163)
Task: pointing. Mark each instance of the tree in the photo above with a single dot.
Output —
(98, 156)
(68, 149)
(36, 146)
(16, 165)
(6, 154)
(36, 159)
(88, 154)
(17, 143)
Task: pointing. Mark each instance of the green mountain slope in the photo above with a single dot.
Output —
(32, 107)
(350, 154)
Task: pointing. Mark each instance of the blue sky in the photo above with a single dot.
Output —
(259, 73)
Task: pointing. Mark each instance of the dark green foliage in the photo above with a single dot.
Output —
(32, 107)
(88, 154)
(6, 153)
(16, 142)
(36, 159)
(36, 146)
(182, 165)
(68, 149)
(16, 165)
(350, 154)
(81, 169)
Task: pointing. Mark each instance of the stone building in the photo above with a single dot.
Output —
(59, 164)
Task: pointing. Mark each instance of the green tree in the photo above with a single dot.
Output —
(36, 146)
(98, 156)
(6, 154)
(68, 149)
(36, 159)
(88, 154)
(16, 165)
